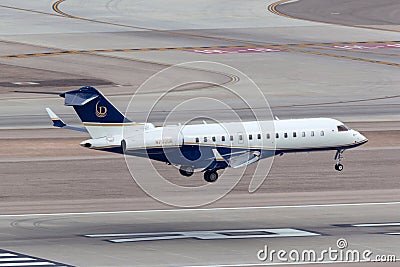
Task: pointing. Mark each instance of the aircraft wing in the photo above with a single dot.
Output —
(244, 159)
(57, 122)
(238, 159)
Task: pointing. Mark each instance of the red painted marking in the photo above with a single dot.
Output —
(367, 46)
(234, 50)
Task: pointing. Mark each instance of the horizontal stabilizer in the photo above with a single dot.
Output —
(79, 99)
(57, 122)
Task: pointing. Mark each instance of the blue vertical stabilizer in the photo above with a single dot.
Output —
(92, 106)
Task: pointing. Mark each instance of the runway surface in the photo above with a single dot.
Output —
(66, 205)
(367, 15)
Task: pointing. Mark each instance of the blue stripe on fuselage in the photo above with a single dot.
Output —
(202, 156)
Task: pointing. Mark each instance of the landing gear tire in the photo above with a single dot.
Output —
(339, 158)
(339, 167)
(210, 176)
(123, 146)
(186, 171)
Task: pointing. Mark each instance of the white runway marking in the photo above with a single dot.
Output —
(27, 264)
(16, 259)
(289, 2)
(378, 225)
(203, 209)
(25, 83)
(375, 224)
(234, 50)
(10, 259)
(208, 235)
(366, 46)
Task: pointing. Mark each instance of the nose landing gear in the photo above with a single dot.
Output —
(339, 167)
(339, 158)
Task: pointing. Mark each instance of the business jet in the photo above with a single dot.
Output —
(203, 147)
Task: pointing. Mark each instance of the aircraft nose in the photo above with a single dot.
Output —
(361, 138)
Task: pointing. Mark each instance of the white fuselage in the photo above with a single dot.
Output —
(281, 135)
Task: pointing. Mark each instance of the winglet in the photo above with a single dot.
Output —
(217, 155)
(57, 122)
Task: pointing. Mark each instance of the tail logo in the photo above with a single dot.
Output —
(101, 111)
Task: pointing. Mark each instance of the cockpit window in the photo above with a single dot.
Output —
(343, 128)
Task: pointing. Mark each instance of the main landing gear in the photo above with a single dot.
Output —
(186, 171)
(210, 176)
(339, 158)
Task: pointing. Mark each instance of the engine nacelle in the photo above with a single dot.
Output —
(101, 142)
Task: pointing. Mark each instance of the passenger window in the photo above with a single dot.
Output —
(294, 134)
(250, 137)
(231, 137)
(205, 139)
(277, 135)
(303, 134)
(285, 135)
(322, 133)
(223, 138)
(213, 138)
(258, 136)
(268, 136)
(197, 140)
(312, 133)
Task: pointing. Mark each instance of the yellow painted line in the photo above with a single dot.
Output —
(123, 50)
(73, 52)
(327, 46)
(351, 58)
(54, 54)
(40, 55)
(272, 8)
(283, 47)
(30, 10)
(56, 8)
(367, 52)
